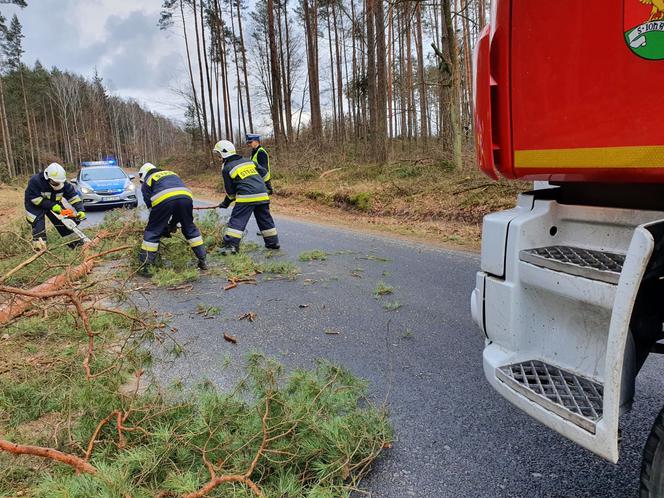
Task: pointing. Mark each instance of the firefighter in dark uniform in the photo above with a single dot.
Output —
(169, 201)
(244, 184)
(260, 156)
(43, 199)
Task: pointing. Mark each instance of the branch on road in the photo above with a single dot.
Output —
(72, 460)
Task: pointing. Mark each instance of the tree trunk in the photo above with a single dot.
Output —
(237, 72)
(6, 137)
(453, 62)
(206, 131)
(311, 28)
(191, 73)
(371, 73)
(420, 73)
(27, 120)
(381, 84)
(207, 75)
(356, 90)
(340, 89)
(390, 58)
(284, 99)
(288, 76)
(274, 72)
(333, 92)
(244, 65)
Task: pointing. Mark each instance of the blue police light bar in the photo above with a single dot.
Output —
(87, 164)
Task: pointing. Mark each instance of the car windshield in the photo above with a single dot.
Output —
(96, 174)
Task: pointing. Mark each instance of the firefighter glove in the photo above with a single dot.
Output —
(57, 208)
(80, 216)
(226, 202)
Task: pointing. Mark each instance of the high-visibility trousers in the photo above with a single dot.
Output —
(177, 210)
(239, 219)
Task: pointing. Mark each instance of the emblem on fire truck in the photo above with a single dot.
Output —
(644, 28)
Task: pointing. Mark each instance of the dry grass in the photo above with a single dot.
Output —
(11, 204)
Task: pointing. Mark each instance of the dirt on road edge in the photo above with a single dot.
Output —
(443, 234)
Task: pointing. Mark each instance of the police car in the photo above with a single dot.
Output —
(105, 184)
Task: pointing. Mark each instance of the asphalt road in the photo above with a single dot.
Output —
(454, 435)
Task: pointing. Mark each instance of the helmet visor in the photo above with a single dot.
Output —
(55, 184)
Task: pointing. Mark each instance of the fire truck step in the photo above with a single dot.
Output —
(587, 263)
(570, 396)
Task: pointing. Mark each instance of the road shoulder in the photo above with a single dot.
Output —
(437, 233)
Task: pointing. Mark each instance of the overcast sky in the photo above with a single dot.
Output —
(119, 38)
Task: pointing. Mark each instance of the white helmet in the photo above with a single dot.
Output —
(144, 170)
(55, 173)
(224, 148)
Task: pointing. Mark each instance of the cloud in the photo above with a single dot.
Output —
(118, 38)
(136, 56)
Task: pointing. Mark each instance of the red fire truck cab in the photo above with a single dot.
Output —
(570, 295)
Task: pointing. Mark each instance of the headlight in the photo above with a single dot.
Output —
(86, 190)
(131, 187)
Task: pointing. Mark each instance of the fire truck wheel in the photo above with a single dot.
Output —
(652, 465)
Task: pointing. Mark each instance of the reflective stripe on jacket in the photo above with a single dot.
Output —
(262, 159)
(243, 181)
(41, 196)
(162, 185)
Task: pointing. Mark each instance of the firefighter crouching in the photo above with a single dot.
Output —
(43, 199)
(244, 184)
(169, 201)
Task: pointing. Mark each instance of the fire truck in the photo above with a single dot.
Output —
(570, 295)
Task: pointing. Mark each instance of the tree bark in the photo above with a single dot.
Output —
(453, 61)
(420, 74)
(191, 73)
(311, 27)
(6, 137)
(381, 84)
(340, 89)
(274, 73)
(371, 73)
(207, 75)
(206, 131)
(244, 65)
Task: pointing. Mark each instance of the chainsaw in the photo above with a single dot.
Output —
(67, 217)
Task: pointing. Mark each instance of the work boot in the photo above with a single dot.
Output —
(39, 244)
(225, 250)
(144, 270)
(202, 265)
(274, 247)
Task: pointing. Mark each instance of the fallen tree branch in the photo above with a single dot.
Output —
(79, 308)
(245, 478)
(25, 263)
(19, 306)
(72, 460)
(120, 417)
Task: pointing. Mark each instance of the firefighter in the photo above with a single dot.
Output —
(260, 156)
(43, 198)
(244, 184)
(170, 202)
